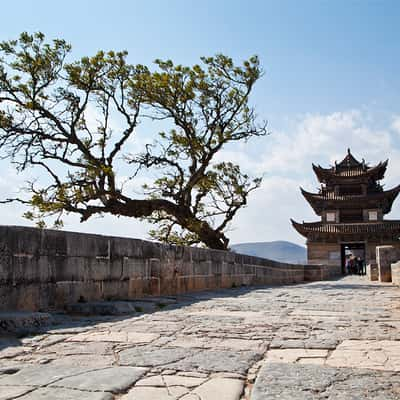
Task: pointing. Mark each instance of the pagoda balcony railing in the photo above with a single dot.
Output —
(350, 172)
(334, 196)
(348, 227)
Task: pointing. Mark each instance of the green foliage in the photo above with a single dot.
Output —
(45, 122)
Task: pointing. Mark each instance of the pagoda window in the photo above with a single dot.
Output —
(350, 190)
(373, 215)
(330, 216)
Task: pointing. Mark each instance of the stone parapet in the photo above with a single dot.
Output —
(321, 272)
(48, 269)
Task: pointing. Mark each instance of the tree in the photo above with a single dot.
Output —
(45, 105)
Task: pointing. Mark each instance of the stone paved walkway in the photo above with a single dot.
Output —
(324, 340)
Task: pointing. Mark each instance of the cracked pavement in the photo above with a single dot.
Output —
(322, 340)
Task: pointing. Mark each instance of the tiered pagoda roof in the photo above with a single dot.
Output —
(349, 169)
(350, 185)
(330, 200)
(387, 228)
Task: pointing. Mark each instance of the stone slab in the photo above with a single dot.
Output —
(154, 393)
(218, 361)
(373, 354)
(114, 379)
(295, 355)
(65, 394)
(113, 336)
(11, 392)
(219, 388)
(313, 382)
(40, 375)
(153, 356)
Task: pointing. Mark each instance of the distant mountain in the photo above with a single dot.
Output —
(278, 251)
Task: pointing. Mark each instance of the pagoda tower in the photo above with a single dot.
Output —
(351, 203)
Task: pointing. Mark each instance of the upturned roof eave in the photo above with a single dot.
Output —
(315, 200)
(325, 175)
(311, 200)
(320, 228)
(299, 227)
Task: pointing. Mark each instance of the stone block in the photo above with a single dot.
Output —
(116, 268)
(87, 245)
(74, 291)
(385, 255)
(125, 247)
(372, 271)
(139, 287)
(134, 268)
(20, 240)
(115, 290)
(395, 267)
(25, 268)
(202, 268)
(71, 268)
(53, 243)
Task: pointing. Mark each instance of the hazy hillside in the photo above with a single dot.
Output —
(279, 251)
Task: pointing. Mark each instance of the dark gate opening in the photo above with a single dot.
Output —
(351, 250)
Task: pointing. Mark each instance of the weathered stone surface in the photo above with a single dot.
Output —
(395, 271)
(309, 382)
(40, 375)
(65, 394)
(171, 380)
(85, 360)
(295, 355)
(385, 255)
(70, 346)
(153, 393)
(114, 379)
(374, 354)
(372, 271)
(11, 392)
(152, 357)
(186, 381)
(218, 361)
(326, 340)
(220, 388)
(113, 336)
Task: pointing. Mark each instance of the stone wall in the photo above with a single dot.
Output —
(321, 272)
(47, 269)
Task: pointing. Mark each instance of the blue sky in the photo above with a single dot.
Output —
(331, 81)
